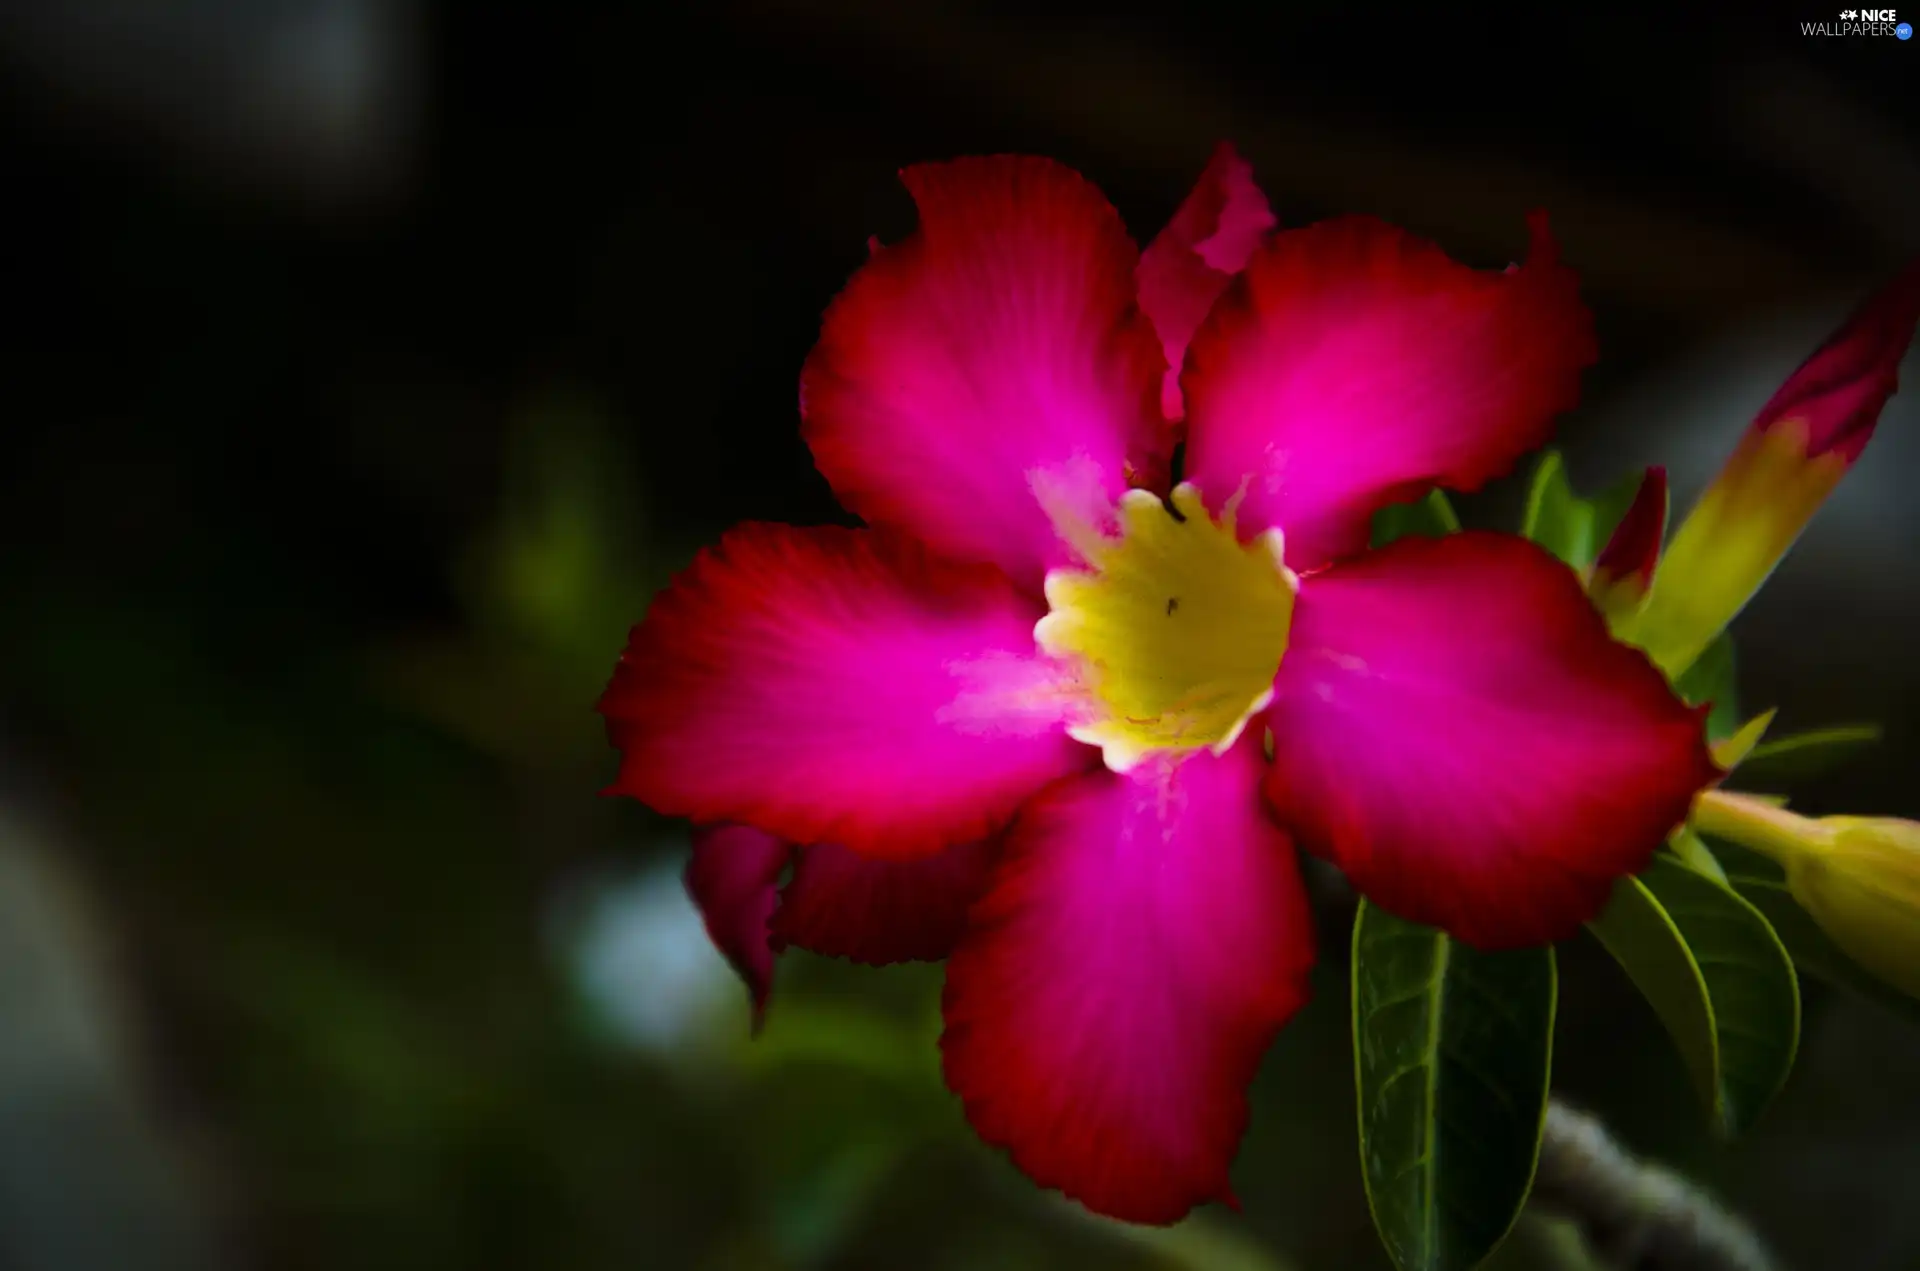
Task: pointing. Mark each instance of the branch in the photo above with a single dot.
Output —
(1633, 1214)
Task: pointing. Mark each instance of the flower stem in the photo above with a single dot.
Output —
(1753, 823)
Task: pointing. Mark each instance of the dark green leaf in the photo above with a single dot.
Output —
(1732, 750)
(1799, 756)
(1742, 863)
(1712, 678)
(1556, 518)
(1717, 976)
(1430, 517)
(1452, 1053)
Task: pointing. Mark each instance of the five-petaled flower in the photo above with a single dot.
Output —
(1061, 721)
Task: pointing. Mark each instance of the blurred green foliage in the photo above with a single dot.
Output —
(364, 874)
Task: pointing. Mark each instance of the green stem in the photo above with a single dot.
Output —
(1752, 823)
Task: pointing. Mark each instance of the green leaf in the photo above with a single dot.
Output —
(1452, 1053)
(1718, 977)
(1430, 517)
(1712, 678)
(1573, 528)
(1799, 756)
(1693, 852)
(1732, 750)
(1762, 885)
(1557, 518)
(1740, 863)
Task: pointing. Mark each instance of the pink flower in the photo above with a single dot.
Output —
(1063, 723)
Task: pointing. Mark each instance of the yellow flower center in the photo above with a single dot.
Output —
(1177, 628)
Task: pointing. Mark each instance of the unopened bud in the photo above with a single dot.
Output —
(1861, 881)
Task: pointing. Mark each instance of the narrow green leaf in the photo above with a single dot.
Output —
(1719, 979)
(1693, 852)
(1742, 863)
(1732, 750)
(1799, 756)
(1712, 678)
(1636, 929)
(1750, 983)
(1452, 1053)
(1556, 518)
(1430, 516)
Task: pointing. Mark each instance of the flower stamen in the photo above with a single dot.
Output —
(1175, 626)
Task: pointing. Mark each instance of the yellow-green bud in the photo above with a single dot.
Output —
(1861, 882)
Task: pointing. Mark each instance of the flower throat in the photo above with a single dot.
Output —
(1177, 627)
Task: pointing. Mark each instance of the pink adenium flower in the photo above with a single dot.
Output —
(1062, 721)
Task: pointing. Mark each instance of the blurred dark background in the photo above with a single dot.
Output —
(371, 365)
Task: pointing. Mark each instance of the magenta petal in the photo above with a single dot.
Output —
(1142, 939)
(1454, 728)
(734, 877)
(845, 905)
(1352, 365)
(843, 686)
(990, 368)
(1208, 241)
